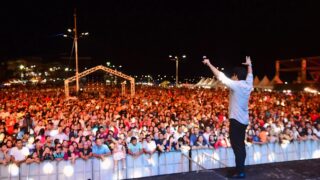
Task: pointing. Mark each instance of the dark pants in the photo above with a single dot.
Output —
(237, 135)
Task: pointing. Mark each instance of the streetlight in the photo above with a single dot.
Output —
(74, 36)
(21, 66)
(177, 59)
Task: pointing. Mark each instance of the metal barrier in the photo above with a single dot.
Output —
(256, 154)
(159, 163)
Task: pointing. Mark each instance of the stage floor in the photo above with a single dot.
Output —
(292, 170)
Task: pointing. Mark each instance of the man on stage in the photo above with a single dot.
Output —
(240, 89)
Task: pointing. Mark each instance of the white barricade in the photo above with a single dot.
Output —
(159, 164)
(45, 170)
(9, 172)
(250, 155)
(230, 158)
(210, 158)
(207, 159)
(271, 156)
(150, 165)
(257, 154)
(264, 153)
(135, 166)
(195, 156)
(305, 150)
(173, 162)
(279, 153)
(291, 152)
(223, 155)
(315, 150)
(103, 169)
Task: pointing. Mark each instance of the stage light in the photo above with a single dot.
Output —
(271, 157)
(316, 154)
(68, 170)
(216, 156)
(105, 164)
(47, 168)
(257, 156)
(284, 145)
(13, 170)
(137, 173)
(151, 161)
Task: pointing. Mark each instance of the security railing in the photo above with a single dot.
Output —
(159, 163)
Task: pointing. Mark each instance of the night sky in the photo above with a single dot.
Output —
(139, 35)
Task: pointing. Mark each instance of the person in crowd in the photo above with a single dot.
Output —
(86, 151)
(119, 153)
(100, 150)
(73, 154)
(222, 141)
(212, 141)
(135, 148)
(171, 145)
(286, 137)
(200, 143)
(47, 154)
(19, 153)
(4, 154)
(33, 158)
(58, 154)
(311, 135)
(149, 146)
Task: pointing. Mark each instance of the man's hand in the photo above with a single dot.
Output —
(248, 61)
(206, 61)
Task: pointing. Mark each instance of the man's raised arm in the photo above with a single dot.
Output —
(220, 75)
(215, 71)
(248, 63)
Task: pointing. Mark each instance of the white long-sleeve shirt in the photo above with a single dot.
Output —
(238, 97)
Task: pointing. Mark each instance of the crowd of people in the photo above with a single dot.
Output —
(40, 124)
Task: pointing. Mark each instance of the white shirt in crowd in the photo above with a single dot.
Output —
(177, 136)
(61, 137)
(151, 146)
(316, 132)
(19, 154)
(238, 97)
(206, 136)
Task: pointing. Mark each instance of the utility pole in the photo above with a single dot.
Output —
(177, 72)
(177, 59)
(76, 50)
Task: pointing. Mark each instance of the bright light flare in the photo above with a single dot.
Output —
(257, 156)
(47, 168)
(271, 157)
(13, 170)
(105, 164)
(68, 170)
(316, 154)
